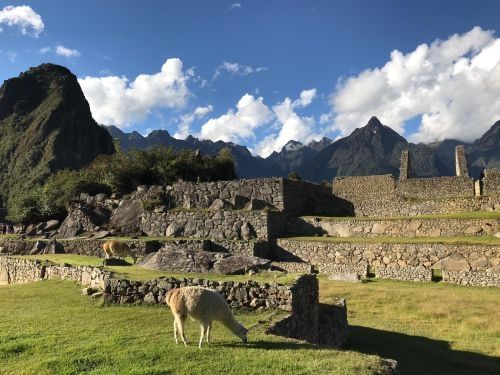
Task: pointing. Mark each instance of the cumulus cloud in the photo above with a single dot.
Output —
(240, 125)
(236, 69)
(454, 85)
(292, 126)
(186, 120)
(23, 17)
(117, 101)
(235, 6)
(64, 52)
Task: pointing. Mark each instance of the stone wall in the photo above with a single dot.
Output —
(436, 187)
(191, 195)
(368, 188)
(311, 226)
(236, 224)
(491, 182)
(397, 261)
(300, 299)
(289, 196)
(400, 207)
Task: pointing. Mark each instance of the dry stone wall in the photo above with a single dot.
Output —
(311, 226)
(207, 224)
(397, 261)
(300, 298)
(436, 187)
(491, 182)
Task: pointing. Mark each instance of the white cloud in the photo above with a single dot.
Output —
(251, 113)
(114, 100)
(235, 6)
(65, 52)
(186, 120)
(44, 50)
(292, 126)
(236, 69)
(23, 17)
(453, 84)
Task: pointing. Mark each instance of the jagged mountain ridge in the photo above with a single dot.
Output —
(371, 149)
(45, 126)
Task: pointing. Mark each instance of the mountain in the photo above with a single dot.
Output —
(247, 165)
(45, 125)
(485, 151)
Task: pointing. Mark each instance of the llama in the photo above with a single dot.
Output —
(117, 248)
(203, 305)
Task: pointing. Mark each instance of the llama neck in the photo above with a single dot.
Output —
(231, 323)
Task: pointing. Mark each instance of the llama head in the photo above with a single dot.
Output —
(242, 333)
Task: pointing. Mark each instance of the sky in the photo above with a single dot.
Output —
(263, 72)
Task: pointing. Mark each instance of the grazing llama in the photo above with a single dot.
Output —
(117, 248)
(205, 306)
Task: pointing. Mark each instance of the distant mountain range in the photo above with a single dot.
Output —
(372, 149)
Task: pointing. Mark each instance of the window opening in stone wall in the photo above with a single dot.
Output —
(437, 275)
(371, 272)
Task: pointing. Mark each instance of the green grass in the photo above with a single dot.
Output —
(458, 215)
(430, 328)
(48, 327)
(461, 240)
(136, 272)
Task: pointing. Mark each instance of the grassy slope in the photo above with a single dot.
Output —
(462, 240)
(50, 328)
(429, 328)
(137, 272)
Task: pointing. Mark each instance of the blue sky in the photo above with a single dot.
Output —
(236, 70)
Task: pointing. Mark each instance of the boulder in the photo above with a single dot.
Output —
(51, 225)
(175, 229)
(168, 259)
(379, 228)
(247, 231)
(345, 276)
(414, 225)
(240, 264)
(220, 204)
(342, 230)
(82, 217)
(473, 230)
(453, 262)
(101, 234)
(54, 247)
(37, 248)
(126, 219)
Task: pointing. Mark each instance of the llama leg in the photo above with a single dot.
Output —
(175, 331)
(180, 326)
(202, 326)
(209, 327)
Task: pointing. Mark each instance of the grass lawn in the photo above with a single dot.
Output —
(48, 327)
(458, 215)
(136, 272)
(461, 240)
(429, 328)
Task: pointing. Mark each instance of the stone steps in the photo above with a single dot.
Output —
(398, 227)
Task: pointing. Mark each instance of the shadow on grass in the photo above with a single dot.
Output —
(420, 355)
(273, 345)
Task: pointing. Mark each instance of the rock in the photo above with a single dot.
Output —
(345, 276)
(473, 230)
(453, 262)
(51, 225)
(88, 291)
(497, 235)
(247, 231)
(126, 219)
(54, 247)
(101, 234)
(257, 204)
(169, 259)
(150, 298)
(115, 262)
(379, 228)
(240, 264)
(97, 295)
(175, 229)
(436, 232)
(82, 217)
(37, 248)
(478, 261)
(220, 204)
(414, 225)
(342, 230)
